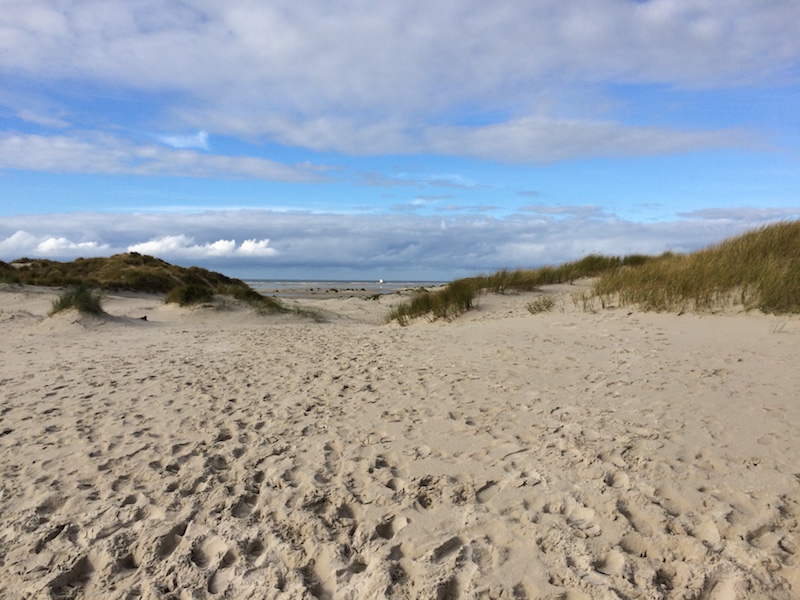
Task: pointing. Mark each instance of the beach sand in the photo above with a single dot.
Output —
(215, 453)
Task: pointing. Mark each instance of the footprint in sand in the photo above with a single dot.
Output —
(640, 519)
(207, 550)
(618, 480)
(673, 576)
(446, 549)
(722, 588)
(129, 562)
(706, 531)
(219, 580)
(51, 535)
(583, 519)
(244, 507)
(390, 527)
(487, 492)
(171, 540)
(611, 564)
(333, 461)
(673, 503)
(64, 586)
(256, 552)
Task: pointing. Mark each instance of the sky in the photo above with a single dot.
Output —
(412, 140)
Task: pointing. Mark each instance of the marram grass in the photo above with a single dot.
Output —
(82, 298)
(757, 270)
(189, 294)
(458, 296)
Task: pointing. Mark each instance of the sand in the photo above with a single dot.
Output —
(214, 453)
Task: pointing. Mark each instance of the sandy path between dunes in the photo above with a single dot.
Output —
(217, 454)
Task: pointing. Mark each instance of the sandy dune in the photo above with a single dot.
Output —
(217, 454)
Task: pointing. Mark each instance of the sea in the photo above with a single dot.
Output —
(288, 287)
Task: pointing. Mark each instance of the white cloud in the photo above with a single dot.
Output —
(373, 77)
(546, 140)
(24, 244)
(100, 153)
(523, 140)
(744, 214)
(256, 248)
(184, 247)
(164, 245)
(530, 139)
(42, 119)
(17, 245)
(62, 245)
(296, 244)
(586, 210)
(360, 53)
(220, 248)
(198, 140)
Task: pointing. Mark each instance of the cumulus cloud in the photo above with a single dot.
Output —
(62, 245)
(101, 153)
(256, 248)
(17, 245)
(24, 244)
(409, 246)
(183, 247)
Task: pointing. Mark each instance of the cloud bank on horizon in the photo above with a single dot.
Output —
(359, 246)
(274, 138)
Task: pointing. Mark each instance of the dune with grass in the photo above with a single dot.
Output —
(757, 270)
(554, 437)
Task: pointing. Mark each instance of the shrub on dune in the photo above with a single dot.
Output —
(189, 294)
(81, 298)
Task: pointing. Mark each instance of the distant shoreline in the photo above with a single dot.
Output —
(282, 288)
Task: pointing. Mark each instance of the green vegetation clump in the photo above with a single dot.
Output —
(124, 272)
(759, 270)
(445, 303)
(80, 297)
(541, 304)
(138, 273)
(188, 294)
(8, 274)
(458, 296)
(263, 304)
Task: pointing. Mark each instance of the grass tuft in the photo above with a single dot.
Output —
(445, 303)
(80, 297)
(458, 296)
(541, 304)
(189, 294)
(758, 270)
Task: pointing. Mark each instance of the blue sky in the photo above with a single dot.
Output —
(402, 140)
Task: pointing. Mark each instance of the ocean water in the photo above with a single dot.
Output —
(286, 286)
